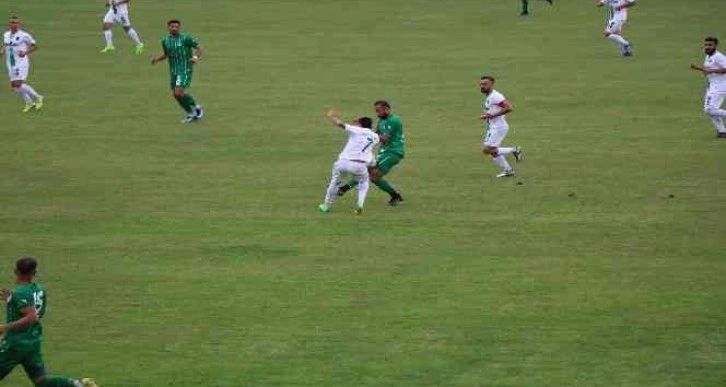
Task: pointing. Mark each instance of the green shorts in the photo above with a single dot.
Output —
(386, 161)
(181, 80)
(28, 357)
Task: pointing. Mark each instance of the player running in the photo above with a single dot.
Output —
(17, 47)
(354, 159)
(495, 107)
(25, 307)
(118, 13)
(183, 52)
(525, 7)
(714, 68)
(390, 153)
(616, 22)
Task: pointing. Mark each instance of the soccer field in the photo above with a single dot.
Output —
(193, 255)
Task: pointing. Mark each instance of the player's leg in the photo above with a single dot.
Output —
(330, 193)
(612, 32)
(131, 32)
(35, 369)
(525, 8)
(17, 87)
(383, 167)
(108, 22)
(37, 99)
(491, 145)
(712, 108)
(361, 175)
(8, 360)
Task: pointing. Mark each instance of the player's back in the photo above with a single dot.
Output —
(24, 296)
(360, 144)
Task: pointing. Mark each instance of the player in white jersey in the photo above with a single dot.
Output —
(618, 16)
(118, 13)
(17, 47)
(354, 160)
(714, 68)
(495, 108)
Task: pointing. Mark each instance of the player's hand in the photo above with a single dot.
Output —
(5, 293)
(22, 54)
(194, 60)
(331, 113)
(486, 117)
(154, 60)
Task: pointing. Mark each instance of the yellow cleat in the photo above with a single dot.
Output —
(38, 104)
(108, 50)
(88, 382)
(28, 108)
(138, 50)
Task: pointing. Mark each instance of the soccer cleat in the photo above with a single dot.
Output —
(108, 50)
(518, 154)
(28, 108)
(627, 50)
(524, 13)
(549, 1)
(395, 199)
(198, 112)
(342, 189)
(721, 135)
(358, 211)
(323, 208)
(87, 382)
(138, 50)
(509, 173)
(38, 103)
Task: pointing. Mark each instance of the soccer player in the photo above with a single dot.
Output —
(714, 68)
(17, 47)
(183, 52)
(354, 159)
(26, 306)
(495, 108)
(390, 152)
(616, 21)
(525, 7)
(118, 12)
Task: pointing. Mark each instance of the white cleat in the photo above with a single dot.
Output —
(509, 173)
(518, 154)
(198, 112)
(189, 119)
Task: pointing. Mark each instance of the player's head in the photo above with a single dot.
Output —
(174, 26)
(25, 268)
(383, 108)
(486, 84)
(710, 45)
(365, 122)
(14, 23)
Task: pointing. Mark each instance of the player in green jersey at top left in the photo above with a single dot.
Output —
(183, 52)
(22, 332)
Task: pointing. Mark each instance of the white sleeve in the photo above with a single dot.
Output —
(29, 39)
(352, 129)
(721, 62)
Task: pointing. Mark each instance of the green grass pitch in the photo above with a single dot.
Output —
(193, 256)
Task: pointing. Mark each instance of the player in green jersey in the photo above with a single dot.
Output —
(22, 332)
(390, 152)
(525, 7)
(183, 52)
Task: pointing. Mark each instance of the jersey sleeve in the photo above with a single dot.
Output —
(22, 300)
(191, 41)
(163, 47)
(29, 39)
(721, 62)
(352, 129)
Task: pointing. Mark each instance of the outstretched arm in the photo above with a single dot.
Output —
(158, 58)
(333, 115)
(626, 5)
(197, 54)
(707, 71)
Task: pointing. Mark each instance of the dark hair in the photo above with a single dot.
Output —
(712, 40)
(173, 21)
(488, 77)
(26, 266)
(365, 122)
(383, 103)
(14, 17)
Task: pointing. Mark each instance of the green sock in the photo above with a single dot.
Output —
(525, 6)
(58, 382)
(180, 101)
(385, 186)
(191, 103)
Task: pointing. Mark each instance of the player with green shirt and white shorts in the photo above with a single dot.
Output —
(390, 152)
(22, 332)
(183, 52)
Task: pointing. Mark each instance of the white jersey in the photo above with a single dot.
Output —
(14, 43)
(615, 14)
(359, 147)
(120, 8)
(492, 105)
(716, 82)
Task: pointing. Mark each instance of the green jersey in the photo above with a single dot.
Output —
(179, 52)
(393, 127)
(24, 296)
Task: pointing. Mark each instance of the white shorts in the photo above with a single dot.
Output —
(713, 100)
(615, 25)
(495, 136)
(19, 72)
(356, 169)
(119, 17)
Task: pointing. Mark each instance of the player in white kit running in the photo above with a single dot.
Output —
(17, 47)
(714, 68)
(495, 107)
(616, 21)
(118, 13)
(354, 160)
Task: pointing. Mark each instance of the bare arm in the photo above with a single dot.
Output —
(599, 3)
(30, 316)
(333, 115)
(158, 58)
(33, 48)
(626, 5)
(197, 54)
(707, 71)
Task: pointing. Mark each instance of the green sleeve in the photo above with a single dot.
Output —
(22, 300)
(163, 47)
(191, 41)
(396, 125)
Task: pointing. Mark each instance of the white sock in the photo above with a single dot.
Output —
(716, 112)
(108, 34)
(505, 151)
(502, 163)
(363, 186)
(23, 95)
(618, 39)
(134, 36)
(30, 91)
(718, 123)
